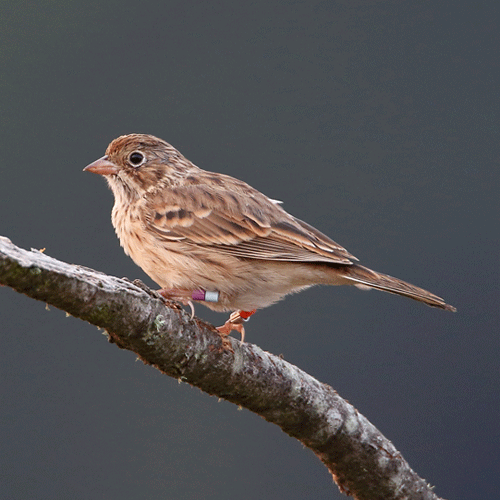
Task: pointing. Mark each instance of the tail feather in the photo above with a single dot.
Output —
(363, 277)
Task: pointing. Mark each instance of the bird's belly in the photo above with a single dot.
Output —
(168, 268)
(259, 283)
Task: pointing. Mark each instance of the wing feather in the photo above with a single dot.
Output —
(243, 223)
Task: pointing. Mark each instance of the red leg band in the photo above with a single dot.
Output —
(247, 314)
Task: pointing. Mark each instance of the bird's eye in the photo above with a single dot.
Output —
(136, 159)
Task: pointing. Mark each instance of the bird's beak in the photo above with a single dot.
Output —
(102, 166)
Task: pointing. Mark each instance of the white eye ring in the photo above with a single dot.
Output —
(136, 159)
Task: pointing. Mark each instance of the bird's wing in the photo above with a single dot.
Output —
(237, 220)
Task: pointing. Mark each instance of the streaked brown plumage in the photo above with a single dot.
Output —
(190, 229)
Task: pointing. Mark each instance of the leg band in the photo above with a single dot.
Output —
(206, 296)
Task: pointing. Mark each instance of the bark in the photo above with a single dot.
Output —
(363, 462)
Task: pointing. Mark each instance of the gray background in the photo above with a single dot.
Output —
(377, 122)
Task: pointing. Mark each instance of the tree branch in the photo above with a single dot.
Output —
(363, 462)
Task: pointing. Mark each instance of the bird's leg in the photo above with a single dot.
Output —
(235, 322)
(186, 297)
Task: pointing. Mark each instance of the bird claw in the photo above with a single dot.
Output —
(191, 306)
(178, 295)
(228, 327)
(235, 322)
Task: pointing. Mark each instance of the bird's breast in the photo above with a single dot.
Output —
(171, 264)
(129, 229)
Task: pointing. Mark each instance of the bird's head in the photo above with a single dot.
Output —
(138, 163)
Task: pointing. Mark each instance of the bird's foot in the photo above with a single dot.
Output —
(185, 297)
(235, 322)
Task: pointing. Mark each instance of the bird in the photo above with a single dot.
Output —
(209, 238)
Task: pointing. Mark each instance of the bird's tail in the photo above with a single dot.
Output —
(362, 277)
